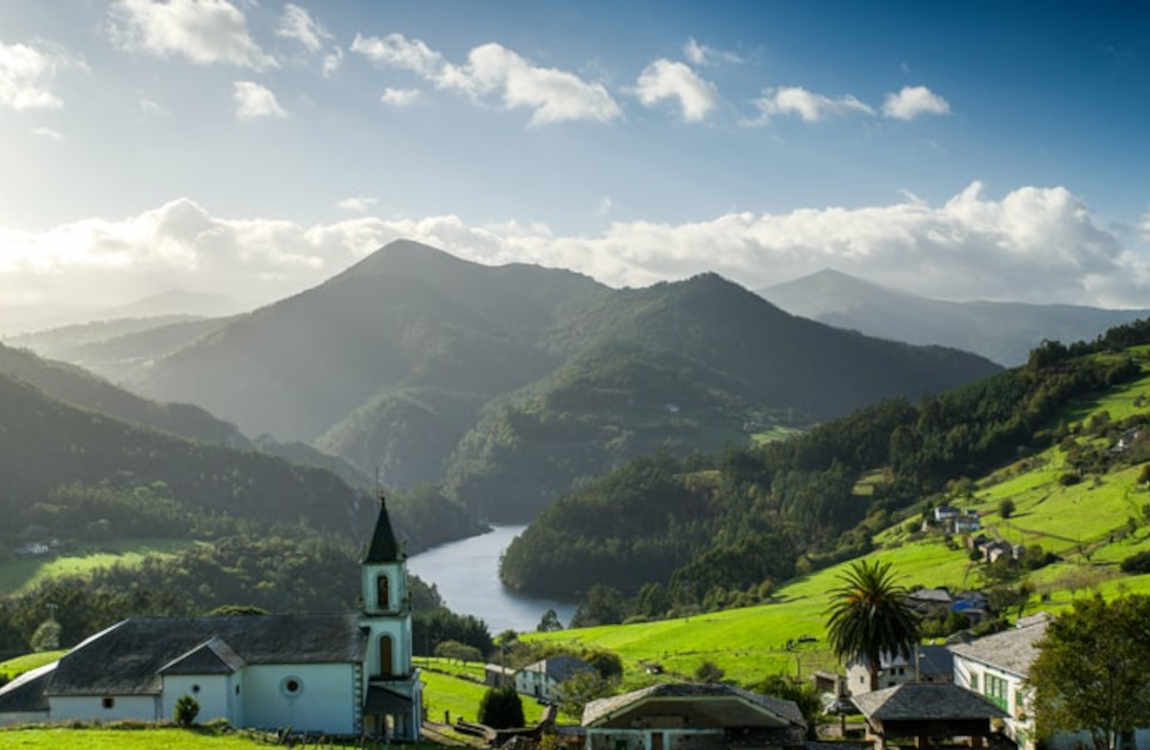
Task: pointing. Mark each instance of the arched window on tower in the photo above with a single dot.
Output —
(382, 598)
(385, 669)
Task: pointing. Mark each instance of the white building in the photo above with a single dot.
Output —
(334, 674)
(935, 664)
(543, 678)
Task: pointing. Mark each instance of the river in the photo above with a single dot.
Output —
(467, 575)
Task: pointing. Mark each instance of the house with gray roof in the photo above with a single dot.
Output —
(543, 678)
(927, 713)
(335, 674)
(688, 716)
(934, 664)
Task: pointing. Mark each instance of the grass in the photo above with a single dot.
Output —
(139, 739)
(24, 573)
(777, 432)
(21, 664)
(462, 696)
(1082, 523)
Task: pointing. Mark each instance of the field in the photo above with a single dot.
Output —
(1084, 524)
(23, 573)
(462, 696)
(21, 664)
(138, 739)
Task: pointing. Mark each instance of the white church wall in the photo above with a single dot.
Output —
(396, 584)
(66, 708)
(210, 691)
(236, 698)
(324, 703)
(399, 630)
(11, 718)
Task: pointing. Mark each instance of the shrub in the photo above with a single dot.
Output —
(1006, 508)
(458, 651)
(1137, 563)
(501, 708)
(1069, 478)
(186, 711)
(46, 637)
(709, 671)
(606, 663)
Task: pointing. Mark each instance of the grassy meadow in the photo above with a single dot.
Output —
(23, 573)
(1084, 524)
(21, 664)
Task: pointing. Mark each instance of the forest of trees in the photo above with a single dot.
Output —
(675, 535)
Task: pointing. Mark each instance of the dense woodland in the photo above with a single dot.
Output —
(668, 534)
(277, 574)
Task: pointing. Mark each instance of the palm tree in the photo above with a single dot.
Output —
(870, 616)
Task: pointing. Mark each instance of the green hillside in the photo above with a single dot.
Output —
(508, 383)
(1086, 524)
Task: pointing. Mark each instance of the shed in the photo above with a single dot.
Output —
(927, 711)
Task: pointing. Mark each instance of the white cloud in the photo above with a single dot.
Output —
(491, 69)
(332, 62)
(54, 135)
(913, 101)
(358, 204)
(27, 72)
(1144, 226)
(150, 107)
(399, 97)
(809, 106)
(664, 79)
(202, 31)
(253, 100)
(604, 206)
(701, 54)
(1036, 244)
(296, 23)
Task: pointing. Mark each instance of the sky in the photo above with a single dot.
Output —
(963, 151)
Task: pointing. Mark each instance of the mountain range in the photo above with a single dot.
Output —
(508, 383)
(1003, 332)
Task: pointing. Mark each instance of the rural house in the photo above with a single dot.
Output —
(685, 716)
(935, 664)
(337, 674)
(543, 678)
(927, 714)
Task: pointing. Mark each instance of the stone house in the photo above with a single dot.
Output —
(543, 678)
(686, 716)
(935, 665)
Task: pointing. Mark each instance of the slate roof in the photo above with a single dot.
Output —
(26, 692)
(559, 668)
(925, 701)
(383, 546)
(211, 657)
(934, 596)
(127, 658)
(1011, 650)
(598, 709)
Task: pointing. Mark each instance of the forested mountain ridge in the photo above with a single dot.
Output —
(1004, 332)
(509, 382)
(747, 516)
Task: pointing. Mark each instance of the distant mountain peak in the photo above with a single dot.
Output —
(404, 256)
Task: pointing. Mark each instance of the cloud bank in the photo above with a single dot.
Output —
(1035, 244)
(492, 70)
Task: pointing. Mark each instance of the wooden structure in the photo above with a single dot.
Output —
(928, 713)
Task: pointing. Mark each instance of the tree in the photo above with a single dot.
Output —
(803, 694)
(231, 610)
(459, 651)
(603, 605)
(1006, 508)
(709, 671)
(549, 622)
(606, 663)
(583, 687)
(501, 708)
(47, 636)
(1090, 673)
(186, 710)
(870, 617)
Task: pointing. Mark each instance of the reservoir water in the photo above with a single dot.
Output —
(467, 575)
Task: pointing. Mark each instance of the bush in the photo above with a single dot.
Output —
(186, 711)
(501, 708)
(46, 637)
(1137, 563)
(606, 663)
(458, 651)
(709, 671)
(1006, 508)
(1069, 478)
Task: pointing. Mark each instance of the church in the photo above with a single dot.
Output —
(335, 674)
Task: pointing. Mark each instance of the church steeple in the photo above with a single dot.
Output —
(384, 548)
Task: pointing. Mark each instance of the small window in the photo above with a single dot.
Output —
(291, 686)
(237, 689)
(195, 688)
(108, 703)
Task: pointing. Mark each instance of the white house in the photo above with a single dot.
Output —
(685, 716)
(543, 678)
(935, 664)
(337, 674)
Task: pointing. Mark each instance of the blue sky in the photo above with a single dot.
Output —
(203, 144)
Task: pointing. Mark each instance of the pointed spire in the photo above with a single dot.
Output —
(383, 545)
